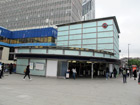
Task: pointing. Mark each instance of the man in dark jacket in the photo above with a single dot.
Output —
(107, 73)
(10, 68)
(135, 74)
(2, 70)
(115, 72)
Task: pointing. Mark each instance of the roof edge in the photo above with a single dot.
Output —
(98, 19)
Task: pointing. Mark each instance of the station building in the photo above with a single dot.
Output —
(89, 46)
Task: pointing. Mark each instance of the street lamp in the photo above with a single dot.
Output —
(128, 55)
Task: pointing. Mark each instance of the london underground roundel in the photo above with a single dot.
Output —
(104, 25)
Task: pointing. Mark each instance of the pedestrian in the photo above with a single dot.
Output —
(67, 75)
(139, 78)
(135, 74)
(2, 70)
(128, 72)
(124, 76)
(107, 72)
(115, 72)
(27, 72)
(10, 68)
(74, 72)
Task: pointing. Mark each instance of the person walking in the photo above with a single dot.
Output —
(128, 71)
(139, 78)
(74, 72)
(27, 72)
(107, 72)
(135, 74)
(10, 68)
(124, 76)
(115, 72)
(2, 70)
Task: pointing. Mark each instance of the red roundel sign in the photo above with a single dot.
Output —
(104, 25)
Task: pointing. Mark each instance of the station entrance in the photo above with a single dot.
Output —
(84, 69)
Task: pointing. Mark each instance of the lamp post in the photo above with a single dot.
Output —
(128, 55)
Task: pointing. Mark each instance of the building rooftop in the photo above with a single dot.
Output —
(92, 20)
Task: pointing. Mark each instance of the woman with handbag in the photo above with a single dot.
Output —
(27, 72)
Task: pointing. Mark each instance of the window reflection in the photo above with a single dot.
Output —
(28, 40)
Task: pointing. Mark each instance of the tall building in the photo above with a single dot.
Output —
(26, 14)
(88, 9)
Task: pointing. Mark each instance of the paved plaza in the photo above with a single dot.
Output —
(51, 91)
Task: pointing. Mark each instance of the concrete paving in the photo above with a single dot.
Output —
(51, 91)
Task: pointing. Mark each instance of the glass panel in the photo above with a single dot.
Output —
(62, 33)
(20, 68)
(53, 51)
(75, 46)
(75, 37)
(21, 65)
(75, 31)
(105, 46)
(74, 42)
(38, 51)
(91, 24)
(23, 50)
(34, 71)
(84, 53)
(89, 41)
(112, 57)
(100, 23)
(109, 28)
(22, 61)
(63, 28)
(88, 30)
(62, 43)
(70, 52)
(37, 60)
(62, 38)
(98, 55)
(76, 26)
(107, 56)
(110, 50)
(89, 46)
(105, 40)
(105, 34)
(91, 35)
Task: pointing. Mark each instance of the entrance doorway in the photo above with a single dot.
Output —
(84, 69)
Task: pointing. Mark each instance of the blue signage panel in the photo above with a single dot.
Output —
(42, 32)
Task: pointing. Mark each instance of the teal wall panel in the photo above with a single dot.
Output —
(42, 51)
(23, 50)
(21, 65)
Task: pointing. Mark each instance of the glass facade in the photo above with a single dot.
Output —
(23, 14)
(91, 35)
(22, 64)
(28, 40)
(88, 9)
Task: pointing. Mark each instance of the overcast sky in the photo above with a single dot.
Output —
(127, 13)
